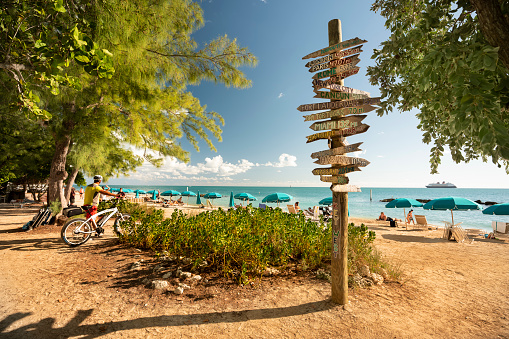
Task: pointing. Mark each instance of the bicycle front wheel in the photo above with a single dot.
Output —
(76, 232)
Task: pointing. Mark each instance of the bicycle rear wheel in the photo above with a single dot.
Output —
(75, 232)
(117, 226)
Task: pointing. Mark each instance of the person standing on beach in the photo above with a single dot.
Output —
(410, 217)
(81, 192)
(72, 197)
(297, 208)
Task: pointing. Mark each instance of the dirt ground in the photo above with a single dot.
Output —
(49, 290)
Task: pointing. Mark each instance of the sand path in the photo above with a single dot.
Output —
(447, 290)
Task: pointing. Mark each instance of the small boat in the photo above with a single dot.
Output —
(441, 185)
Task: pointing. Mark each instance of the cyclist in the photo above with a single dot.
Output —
(92, 194)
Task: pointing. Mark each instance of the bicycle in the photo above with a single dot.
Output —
(77, 231)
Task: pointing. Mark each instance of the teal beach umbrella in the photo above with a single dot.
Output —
(325, 201)
(498, 209)
(453, 204)
(212, 195)
(198, 199)
(277, 198)
(170, 193)
(403, 203)
(188, 194)
(231, 204)
(140, 192)
(245, 197)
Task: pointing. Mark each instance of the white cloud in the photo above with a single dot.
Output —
(285, 160)
(280, 95)
(264, 1)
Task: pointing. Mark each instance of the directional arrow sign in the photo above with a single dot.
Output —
(339, 113)
(335, 180)
(338, 133)
(336, 47)
(347, 122)
(341, 160)
(337, 151)
(344, 89)
(338, 104)
(339, 95)
(335, 63)
(345, 188)
(336, 170)
(340, 71)
(336, 55)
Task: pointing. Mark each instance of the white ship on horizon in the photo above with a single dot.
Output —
(441, 185)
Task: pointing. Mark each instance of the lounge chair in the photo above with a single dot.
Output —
(421, 222)
(209, 204)
(456, 232)
(291, 209)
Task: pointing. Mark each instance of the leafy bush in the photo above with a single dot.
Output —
(243, 242)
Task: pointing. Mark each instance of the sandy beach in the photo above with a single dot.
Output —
(446, 289)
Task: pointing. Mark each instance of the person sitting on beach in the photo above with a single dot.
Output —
(410, 217)
(179, 201)
(297, 208)
(382, 217)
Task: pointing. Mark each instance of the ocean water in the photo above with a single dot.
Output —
(359, 203)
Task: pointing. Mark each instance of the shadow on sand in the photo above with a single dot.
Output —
(74, 328)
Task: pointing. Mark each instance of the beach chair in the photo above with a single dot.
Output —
(209, 204)
(291, 209)
(421, 222)
(262, 206)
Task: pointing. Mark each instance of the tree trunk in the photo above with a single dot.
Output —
(494, 26)
(57, 172)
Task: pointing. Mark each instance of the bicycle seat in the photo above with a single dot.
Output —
(86, 207)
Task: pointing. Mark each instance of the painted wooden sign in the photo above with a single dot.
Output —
(335, 63)
(345, 188)
(340, 71)
(336, 170)
(338, 133)
(336, 47)
(335, 180)
(347, 122)
(338, 104)
(337, 150)
(341, 160)
(339, 113)
(340, 88)
(336, 55)
(339, 95)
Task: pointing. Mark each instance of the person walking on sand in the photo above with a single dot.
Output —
(81, 192)
(410, 217)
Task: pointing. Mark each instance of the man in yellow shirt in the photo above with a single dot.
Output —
(92, 194)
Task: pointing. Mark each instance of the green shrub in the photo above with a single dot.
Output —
(243, 242)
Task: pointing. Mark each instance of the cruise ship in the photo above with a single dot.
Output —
(441, 185)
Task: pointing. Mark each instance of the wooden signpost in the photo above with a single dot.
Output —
(339, 95)
(346, 104)
(341, 160)
(339, 113)
(335, 47)
(335, 170)
(341, 123)
(361, 128)
(335, 180)
(335, 63)
(337, 150)
(338, 104)
(336, 55)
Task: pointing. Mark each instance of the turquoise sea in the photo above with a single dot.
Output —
(360, 204)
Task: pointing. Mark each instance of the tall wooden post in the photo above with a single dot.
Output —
(339, 260)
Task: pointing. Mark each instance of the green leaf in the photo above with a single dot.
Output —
(59, 6)
(39, 44)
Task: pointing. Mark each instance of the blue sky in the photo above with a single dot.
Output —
(264, 137)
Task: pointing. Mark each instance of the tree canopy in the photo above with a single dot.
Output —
(135, 95)
(442, 59)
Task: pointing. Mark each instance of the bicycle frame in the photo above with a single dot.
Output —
(111, 211)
